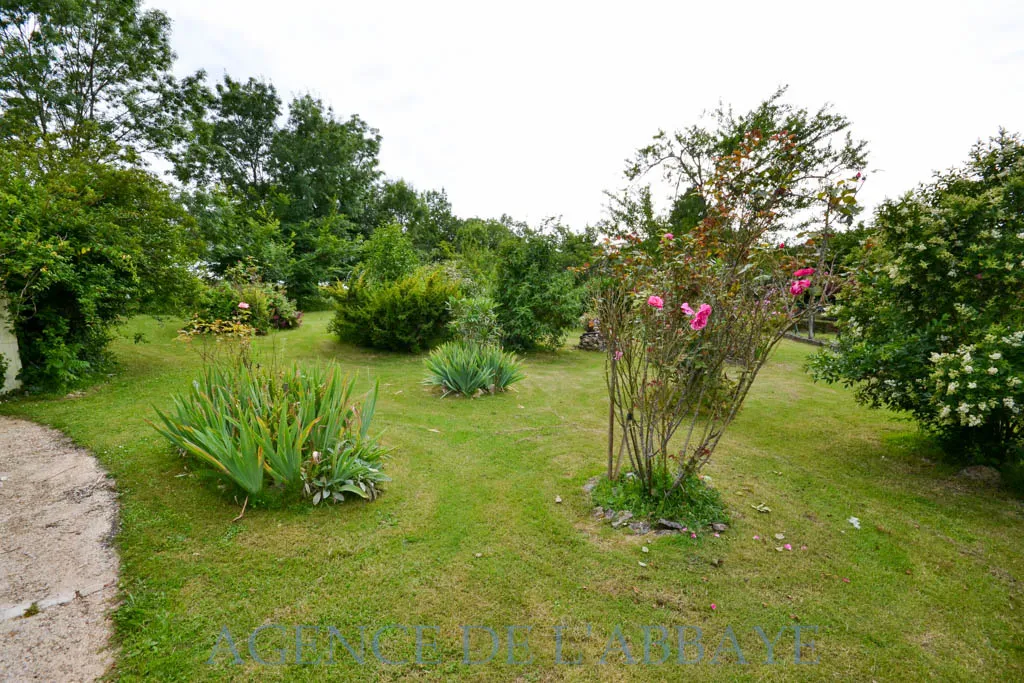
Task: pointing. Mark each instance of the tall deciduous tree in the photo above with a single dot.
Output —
(230, 145)
(426, 216)
(91, 70)
(322, 166)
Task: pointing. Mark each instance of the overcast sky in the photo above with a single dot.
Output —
(531, 108)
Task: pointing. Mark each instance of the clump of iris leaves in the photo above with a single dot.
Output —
(279, 434)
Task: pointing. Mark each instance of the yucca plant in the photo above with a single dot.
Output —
(468, 369)
(248, 424)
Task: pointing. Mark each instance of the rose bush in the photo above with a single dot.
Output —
(691, 314)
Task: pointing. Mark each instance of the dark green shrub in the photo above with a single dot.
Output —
(82, 246)
(474, 320)
(468, 369)
(389, 254)
(261, 305)
(409, 314)
(538, 297)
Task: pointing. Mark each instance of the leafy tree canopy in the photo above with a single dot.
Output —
(89, 70)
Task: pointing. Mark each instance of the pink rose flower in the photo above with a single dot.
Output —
(804, 272)
(685, 308)
(668, 236)
(244, 306)
(618, 355)
(656, 301)
(799, 287)
(700, 320)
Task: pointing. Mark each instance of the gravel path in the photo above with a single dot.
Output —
(58, 515)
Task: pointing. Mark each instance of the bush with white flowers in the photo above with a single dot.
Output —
(933, 321)
(982, 383)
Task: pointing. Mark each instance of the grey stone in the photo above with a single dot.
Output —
(640, 528)
(599, 511)
(591, 484)
(622, 518)
(718, 526)
(982, 474)
(669, 524)
(591, 339)
(666, 532)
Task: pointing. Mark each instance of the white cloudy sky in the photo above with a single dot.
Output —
(530, 108)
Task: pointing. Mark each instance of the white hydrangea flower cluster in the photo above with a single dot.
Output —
(975, 380)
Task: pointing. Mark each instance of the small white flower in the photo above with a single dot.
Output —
(951, 388)
(993, 370)
(972, 385)
(995, 356)
(968, 368)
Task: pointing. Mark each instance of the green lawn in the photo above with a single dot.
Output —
(934, 574)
